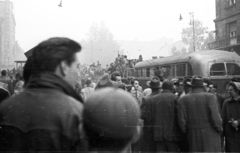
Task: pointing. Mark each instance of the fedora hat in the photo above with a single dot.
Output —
(197, 81)
(154, 83)
(185, 80)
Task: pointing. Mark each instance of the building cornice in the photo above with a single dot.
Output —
(222, 18)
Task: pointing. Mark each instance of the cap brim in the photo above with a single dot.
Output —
(189, 83)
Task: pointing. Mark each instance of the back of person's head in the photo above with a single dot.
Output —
(104, 82)
(88, 82)
(167, 84)
(4, 73)
(47, 55)
(110, 120)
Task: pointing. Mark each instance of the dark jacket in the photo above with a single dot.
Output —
(147, 140)
(199, 118)
(47, 112)
(164, 113)
(231, 109)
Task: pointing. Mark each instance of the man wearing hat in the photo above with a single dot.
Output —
(178, 89)
(166, 132)
(213, 89)
(199, 118)
(148, 91)
(148, 143)
(231, 117)
(186, 88)
(111, 120)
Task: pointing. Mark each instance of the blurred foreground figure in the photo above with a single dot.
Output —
(199, 118)
(111, 119)
(45, 116)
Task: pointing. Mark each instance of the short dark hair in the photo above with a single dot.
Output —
(114, 75)
(88, 82)
(4, 72)
(133, 80)
(48, 54)
(167, 84)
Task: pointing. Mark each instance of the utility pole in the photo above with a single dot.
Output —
(92, 49)
(192, 22)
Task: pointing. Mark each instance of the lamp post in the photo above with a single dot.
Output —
(192, 23)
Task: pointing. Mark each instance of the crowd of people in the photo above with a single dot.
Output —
(55, 110)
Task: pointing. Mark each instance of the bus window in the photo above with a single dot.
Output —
(130, 72)
(233, 69)
(217, 69)
(157, 72)
(152, 72)
(144, 72)
(189, 70)
(166, 70)
(181, 69)
(138, 72)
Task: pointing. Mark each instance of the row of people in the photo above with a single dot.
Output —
(193, 119)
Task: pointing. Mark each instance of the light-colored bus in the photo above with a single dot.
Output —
(219, 66)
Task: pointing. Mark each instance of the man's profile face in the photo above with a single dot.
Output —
(73, 72)
(119, 79)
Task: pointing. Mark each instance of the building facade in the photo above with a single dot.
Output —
(227, 26)
(7, 33)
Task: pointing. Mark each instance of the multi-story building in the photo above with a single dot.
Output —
(7, 33)
(227, 25)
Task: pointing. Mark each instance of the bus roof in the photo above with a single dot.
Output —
(190, 57)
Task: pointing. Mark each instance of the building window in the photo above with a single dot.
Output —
(231, 2)
(233, 33)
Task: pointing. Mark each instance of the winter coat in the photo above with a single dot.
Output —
(46, 116)
(231, 110)
(199, 118)
(164, 114)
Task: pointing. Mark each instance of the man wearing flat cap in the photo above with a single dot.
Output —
(111, 120)
(166, 131)
(148, 143)
(199, 118)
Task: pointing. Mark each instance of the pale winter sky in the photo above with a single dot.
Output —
(144, 20)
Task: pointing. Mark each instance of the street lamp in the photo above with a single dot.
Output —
(60, 5)
(192, 23)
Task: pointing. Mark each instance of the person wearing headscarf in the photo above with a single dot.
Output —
(231, 118)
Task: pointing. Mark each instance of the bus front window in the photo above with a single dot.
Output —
(233, 69)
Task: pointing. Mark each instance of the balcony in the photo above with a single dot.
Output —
(223, 43)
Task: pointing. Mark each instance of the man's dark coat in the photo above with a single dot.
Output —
(48, 113)
(199, 118)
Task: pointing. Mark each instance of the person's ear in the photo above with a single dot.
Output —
(136, 134)
(63, 68)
